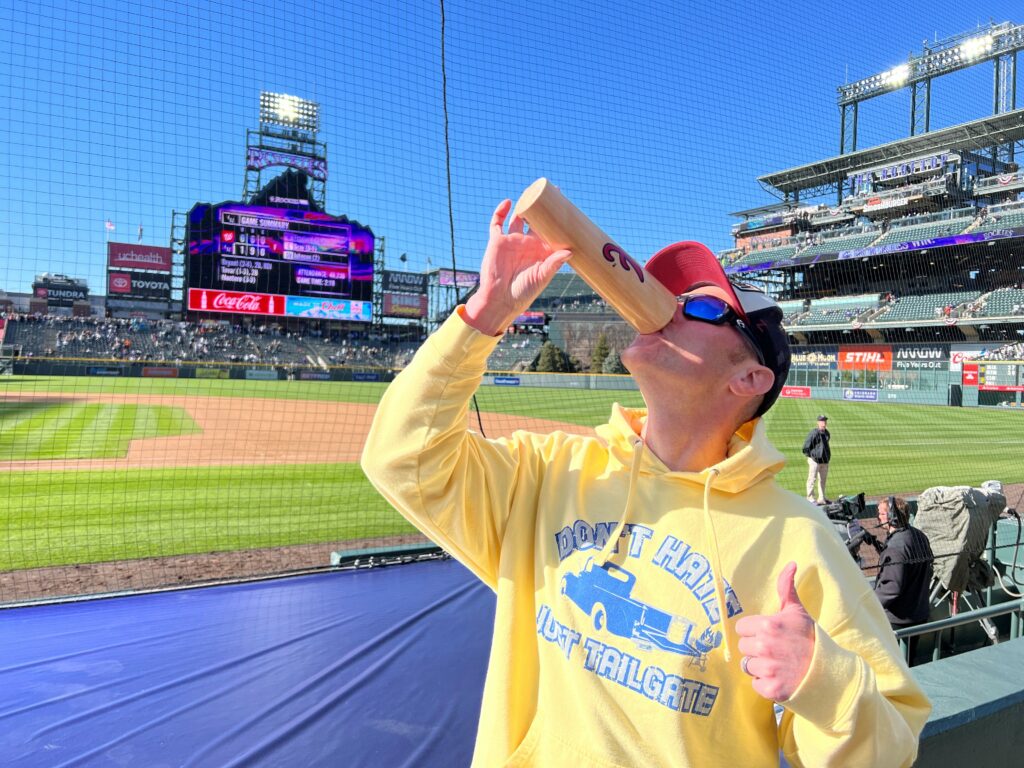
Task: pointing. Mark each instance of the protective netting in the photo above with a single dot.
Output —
(228, 226)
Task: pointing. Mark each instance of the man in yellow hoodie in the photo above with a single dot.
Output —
(658, 595)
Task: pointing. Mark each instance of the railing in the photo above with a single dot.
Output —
(993, 182)
(953, 213)
(1013, 205)
(1015, 608)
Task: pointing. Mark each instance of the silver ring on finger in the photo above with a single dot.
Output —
(743, 665)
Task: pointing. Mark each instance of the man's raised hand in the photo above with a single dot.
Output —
(516, 267)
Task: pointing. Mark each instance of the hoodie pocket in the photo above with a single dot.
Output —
(541, 748)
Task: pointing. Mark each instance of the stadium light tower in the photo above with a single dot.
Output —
(998, 43)
(287, 136)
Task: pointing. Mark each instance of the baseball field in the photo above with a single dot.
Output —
(95, 470)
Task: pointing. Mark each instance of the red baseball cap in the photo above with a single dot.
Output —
(685, 266)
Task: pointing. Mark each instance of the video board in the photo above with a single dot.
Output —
(278, 251)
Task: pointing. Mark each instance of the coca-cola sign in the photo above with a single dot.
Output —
(235, 302)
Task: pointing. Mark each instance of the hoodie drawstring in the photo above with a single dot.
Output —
(634, 472)
(716, 563)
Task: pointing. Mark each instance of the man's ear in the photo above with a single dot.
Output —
(751, 380)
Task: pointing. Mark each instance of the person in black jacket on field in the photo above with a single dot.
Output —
(818, 454)
(905, 568)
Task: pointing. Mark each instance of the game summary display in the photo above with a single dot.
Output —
(278, 251)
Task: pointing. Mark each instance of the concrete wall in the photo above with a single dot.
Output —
(977, 718)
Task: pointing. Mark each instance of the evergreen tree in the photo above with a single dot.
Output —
(613, 364)
(551, 359)
(599, 353)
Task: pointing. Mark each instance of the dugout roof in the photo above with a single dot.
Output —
(977, 135)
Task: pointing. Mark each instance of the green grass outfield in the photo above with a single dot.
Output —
(53, 518)
(43, 429)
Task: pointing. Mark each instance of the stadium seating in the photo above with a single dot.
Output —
(925, 231)
(514, 353)
(925, 307)
(1001, 303)
(842, 243)
(767, 254)
(174, 341)
(791, 310)
(838, 310)
(564, 288)
(997, 220)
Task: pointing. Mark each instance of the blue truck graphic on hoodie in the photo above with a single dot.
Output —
(603, 593)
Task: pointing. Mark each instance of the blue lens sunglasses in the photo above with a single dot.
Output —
(716, 311)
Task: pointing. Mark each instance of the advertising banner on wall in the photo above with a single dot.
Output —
(59, 294)
(927, 357)
(860, 395)
(139, 285)
(459, 278)
(159, 372)
(405, 305)
(818, 357)
(130, 256)
(530, 317)
(959, 353)
(404, 282)
(798, 392)
(244, 303)
(875, 357)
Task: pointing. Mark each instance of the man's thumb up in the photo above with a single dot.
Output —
(786, 584)
(777, 648)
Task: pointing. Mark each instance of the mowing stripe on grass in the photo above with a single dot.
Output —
(61, 518)
(85, 430)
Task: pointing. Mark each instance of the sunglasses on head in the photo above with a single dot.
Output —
(716, 311)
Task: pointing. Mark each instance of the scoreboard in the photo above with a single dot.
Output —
(998, 378)
(278, 251)
(993, 377)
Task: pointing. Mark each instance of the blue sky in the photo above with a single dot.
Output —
(655, 118)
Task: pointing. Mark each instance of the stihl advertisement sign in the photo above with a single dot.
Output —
(865, 358)
(235, 302)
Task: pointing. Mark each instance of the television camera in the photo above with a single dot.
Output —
(845, 513)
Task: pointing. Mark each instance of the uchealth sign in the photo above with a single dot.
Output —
(875, 357)
(931, 357)
(128, 256)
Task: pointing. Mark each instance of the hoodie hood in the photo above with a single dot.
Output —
(750, 458)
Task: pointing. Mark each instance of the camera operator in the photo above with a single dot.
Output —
(905, 568)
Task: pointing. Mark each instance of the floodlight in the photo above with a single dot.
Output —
(898, 75)
(289, 111)
(976, 46)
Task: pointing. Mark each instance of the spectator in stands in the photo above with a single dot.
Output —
(550, 521)
(905, 568)
(819, 454)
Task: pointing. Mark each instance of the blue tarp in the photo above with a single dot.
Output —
(380, 667)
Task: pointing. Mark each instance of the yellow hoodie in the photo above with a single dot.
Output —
(608, 646)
